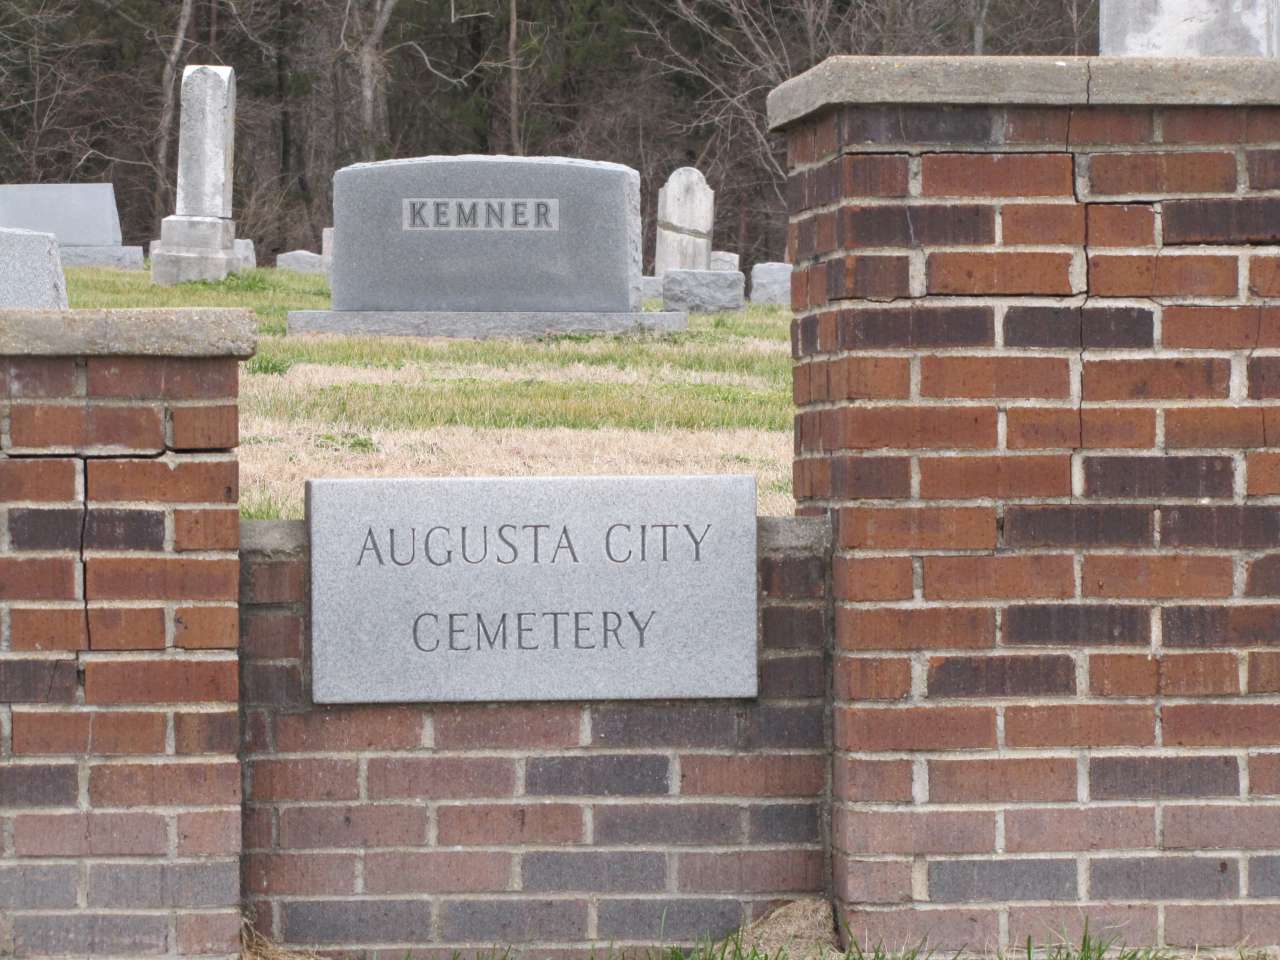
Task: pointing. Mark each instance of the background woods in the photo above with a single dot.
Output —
(88, 89)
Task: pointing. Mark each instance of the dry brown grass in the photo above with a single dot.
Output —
(800, 930)
(254, 946)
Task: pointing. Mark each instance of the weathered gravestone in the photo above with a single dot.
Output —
(198, 241)
(583, 588)
(703, 291)
(326, 248)
(300, 261)
(31, 271)
(686, 217)
(724, 260)
(485, 246)
(83, 216)
(246, 255)
(771, 283)
(1190, 28)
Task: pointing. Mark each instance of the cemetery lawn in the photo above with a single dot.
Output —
(716, 399)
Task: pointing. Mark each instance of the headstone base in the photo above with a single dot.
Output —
(703, 291)
(115, 256)
(301, 261)
(193, 248)
(479, 326)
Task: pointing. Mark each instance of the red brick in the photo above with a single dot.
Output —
(1113, 174)
(1124, 675)
(871, 781)
(1199, 427)
(509, 824)
(1221, 724)
(1170, 275)
(138, 578)
(1037, 125)
(299, 874)
(998, 175)
(1264, 276)
(1002, 781)
(962, 478)
(205, 428)
(873, 175)
(1097, 828)
(872, 678)
(1226, 925)
(1157, 577)
(921, 528)
(1221, 328)
(43, 377)
(124, 628)
(52, 629)
(1264, 473)
(916, 833)
(164, 784)
(161, 681)
(440, 777)
(867, 428)
(977, 377)
(740, 775)
(1189, 379)
(191, 481)
(364, 826)
(1233, 827)
(1204, 124)
(206, 732)
(978, 274)
(46, 480)
(753, 871)
(208, 933)
(961, 578)
(437, 871)
(869, 378)
(915, 629)
(87, 733)
(52, 578)
(914, 728)
(311, 779)
(50, 427)
(206, 530)
(881, 578)
(206, 628)
(871, 881)
(1264, 775)
(1041, 224)
(1112, 428)
(1121, 225)
(1042, 428)
(170, 378)
(346, 729)
(90, 834)
(1264, 672)
(1110, 125)
(211, 833)
(506, 726)
(279, 582)
(1085, 725)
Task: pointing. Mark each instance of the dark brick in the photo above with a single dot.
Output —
(872, 478)
(511, 921)
(1164, 878)
(610, 775)
(589, 872)
(1250, 527)
(356, 921)
(1264, 577)
(1042, 327)
(667, 921)
(45, 529)
(124, 530)
(784, 823)
(1264, 378)
(1144, 778)
(1102, 327)
(915, 226)
(794, 628)
(164, 885)
(702, 824)
(1202, 626)
(1076, 625)
(909, 327)
(873, 175)
(1152, 477)
(1001, 676)
(1264, 876)
(665, 725)
(88, 934)
(1264, 169)
(824, 184)
(868, 278)
(792, 677)
(1244, 220)
(916, 125)
(793, 578)
(959, 881)
(1084, 526)
(787, 727)
(43, 887)
(38, 681)
(271, 684)
(797, 195)
(38, 786)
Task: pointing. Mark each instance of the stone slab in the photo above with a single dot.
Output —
(703, 291)
(595, 607)
(651, 288)
(83, 214)
(680, 251)
(31, 271)
(167, 332)
(117, 257)
(487, 234)
(771, 283)
(1189, 28)
(724, 260)
(301, 261)
(206, 141)
(246, 255)
(480, 325)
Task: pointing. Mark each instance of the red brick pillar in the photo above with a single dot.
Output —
(119, 725)
(1036, 378)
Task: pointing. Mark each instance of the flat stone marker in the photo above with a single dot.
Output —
(703, 291)
(301, 261)
(246, 255)
(31, 271)
(771, 283)
(686, 217)
(83, 216)
(564, 588)
(446, 242)
(1190, 28)
(724, 260)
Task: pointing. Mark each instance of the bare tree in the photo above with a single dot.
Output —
(160, 199)
(513, 56)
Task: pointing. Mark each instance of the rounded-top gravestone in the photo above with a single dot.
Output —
(686, 216)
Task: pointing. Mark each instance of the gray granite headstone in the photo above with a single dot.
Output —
(724, 260)
(300, 261)
(585, 588)
(31, 271)
(703, 291)
(771, 283)
(1190, 28)
(246, 255)
(83, 216)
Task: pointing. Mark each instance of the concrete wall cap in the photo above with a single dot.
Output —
(1227, 81)
(177, 332)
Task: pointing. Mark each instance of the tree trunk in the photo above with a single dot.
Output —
(161, 197)
(513, 54)
(370, 64)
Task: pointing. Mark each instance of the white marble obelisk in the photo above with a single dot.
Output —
(1190, 28)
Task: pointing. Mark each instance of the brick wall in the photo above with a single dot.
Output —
(1036, 373)
(371, 830)
(119, 783)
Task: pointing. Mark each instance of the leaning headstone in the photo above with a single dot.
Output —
(246, 255)
(31, 271)
(83, 216)
(686, 215)
(300, 261)
(477, 246)
(703, 291)
(1190, 28)
(771, 283)
(650, 288)
(723, 260)
(197, 242)
(326, 248)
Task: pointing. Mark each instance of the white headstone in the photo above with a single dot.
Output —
(771, 283)
(301, 261)
(1190, 28)
(724, 260)
(686, 216)
(326, 248)
(31, 271)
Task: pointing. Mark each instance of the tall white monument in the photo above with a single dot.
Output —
(1190, 28)
(198, 241)
(686, 216)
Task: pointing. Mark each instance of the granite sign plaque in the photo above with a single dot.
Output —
(555, 588)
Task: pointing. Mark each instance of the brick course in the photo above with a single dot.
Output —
(1056, 664)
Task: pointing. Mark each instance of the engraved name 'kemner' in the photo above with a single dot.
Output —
(476, 213)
